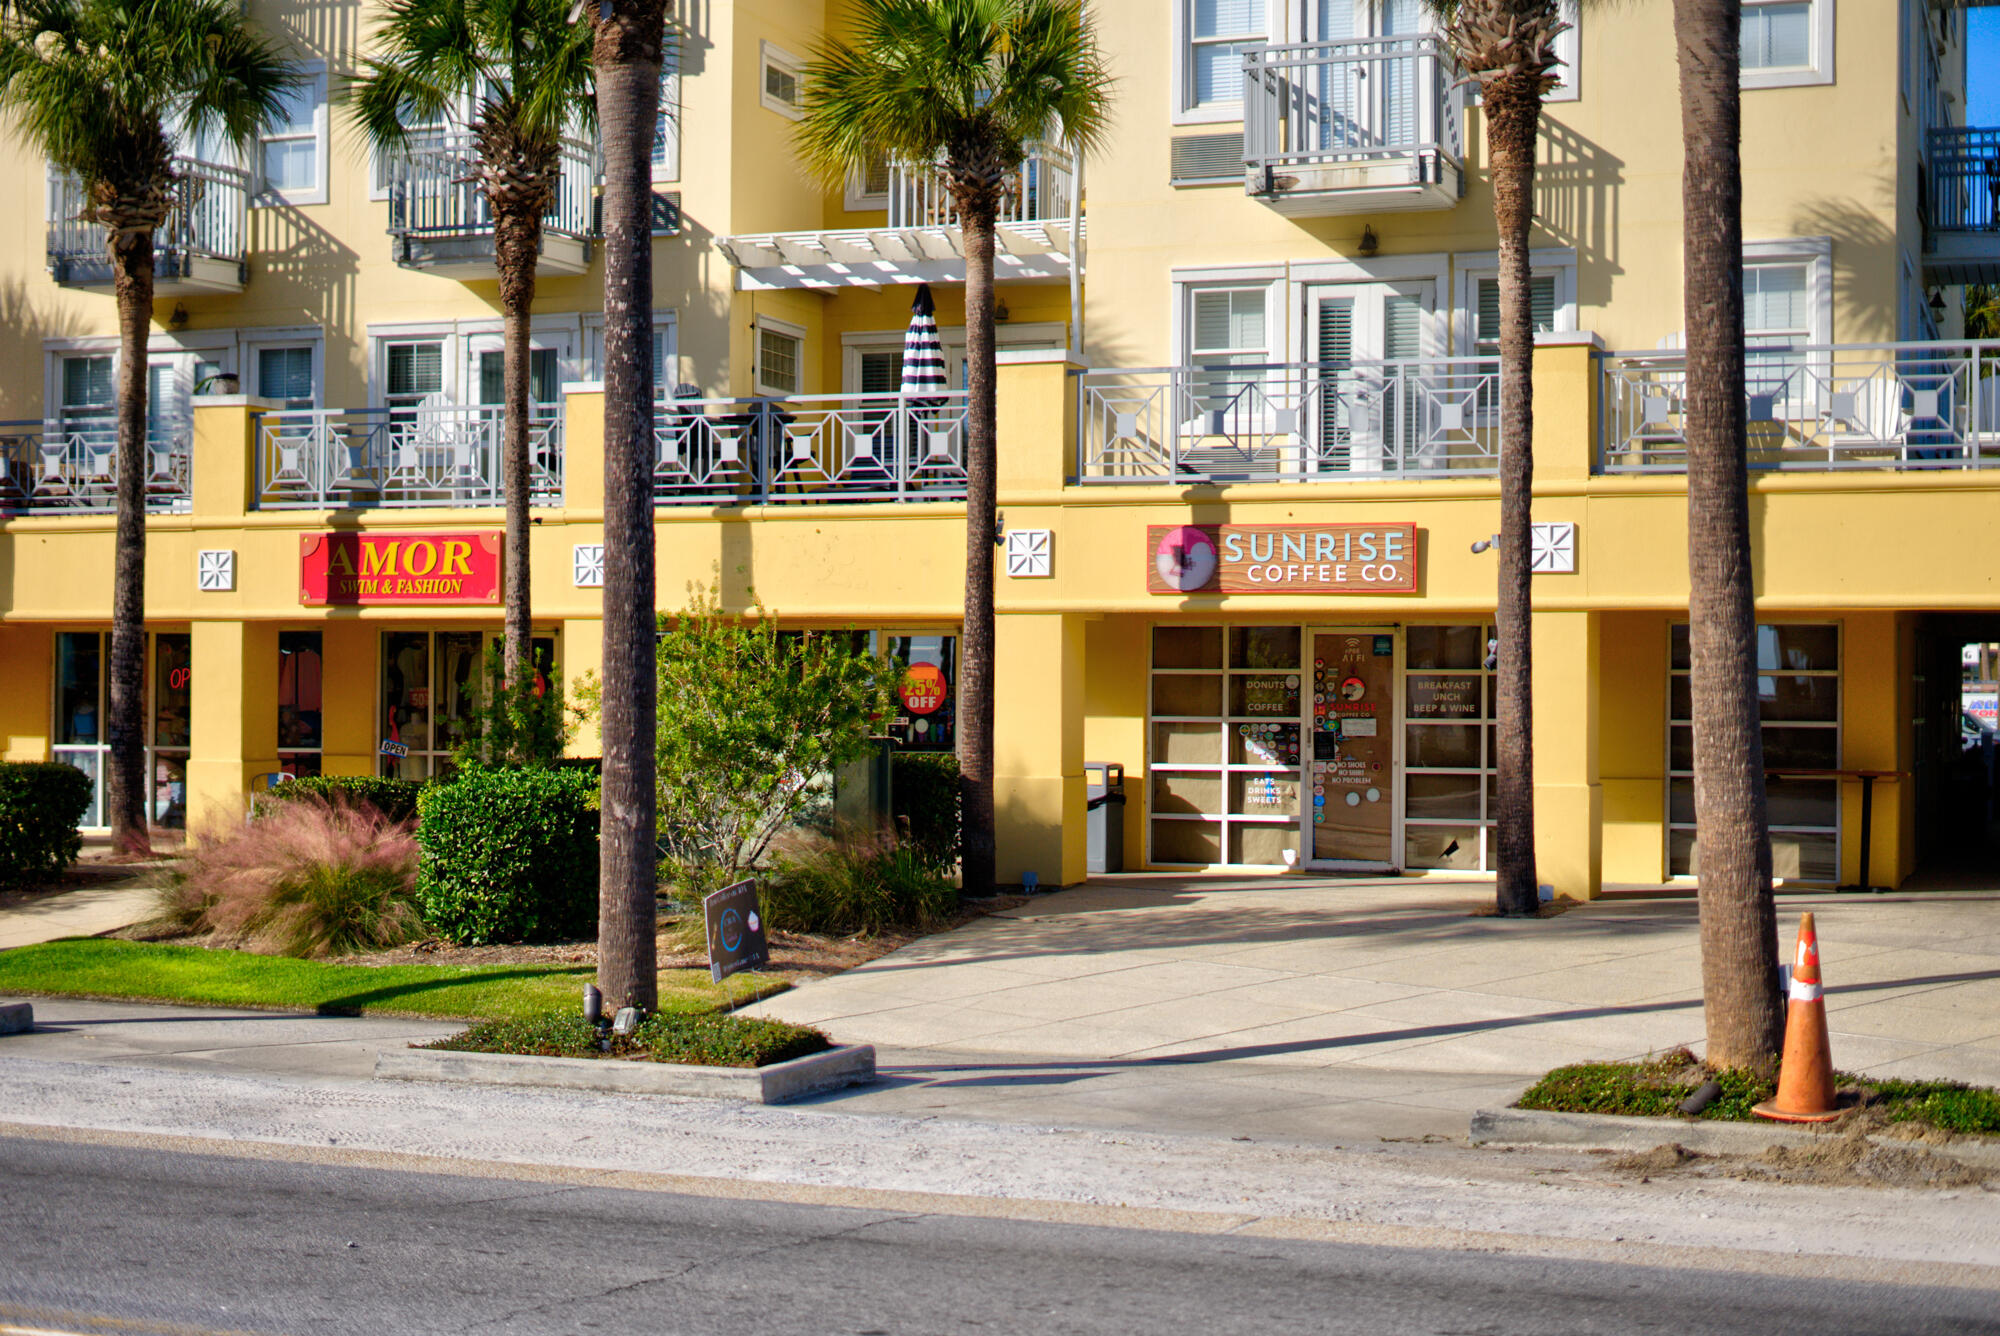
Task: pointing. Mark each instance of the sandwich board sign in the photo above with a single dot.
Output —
(735, 930)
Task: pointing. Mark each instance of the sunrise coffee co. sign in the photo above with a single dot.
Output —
(1281, 558)
(368, 570)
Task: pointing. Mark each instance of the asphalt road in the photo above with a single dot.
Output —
(99, 1239)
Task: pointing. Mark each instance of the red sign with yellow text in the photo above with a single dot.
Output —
(371, 569)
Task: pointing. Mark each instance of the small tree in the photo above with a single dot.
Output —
(752, 721)
(517, 721)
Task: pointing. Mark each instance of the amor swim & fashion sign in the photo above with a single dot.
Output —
(1281, 558)
(369, 569)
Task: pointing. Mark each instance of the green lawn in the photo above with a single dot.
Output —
(141, 972)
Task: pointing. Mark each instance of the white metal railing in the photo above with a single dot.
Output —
(810, 449)
(434, 455)
(1352, 103)
(1962, 179)
(435, 192)
(1039, 191)
(205, 221)
(70, 464)
(1290, 422)
(1838, 406)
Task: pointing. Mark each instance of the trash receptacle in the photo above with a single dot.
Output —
(1106, 809)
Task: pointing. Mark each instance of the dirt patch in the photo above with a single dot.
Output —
(1846, 1159)
(1659, 1160)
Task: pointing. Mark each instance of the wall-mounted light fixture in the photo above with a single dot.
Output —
(1369, 244)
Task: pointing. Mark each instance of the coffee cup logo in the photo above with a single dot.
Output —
(1185, 558)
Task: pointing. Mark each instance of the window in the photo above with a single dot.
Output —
(667, 126)
(430, 687)
(1542, 301)
(914, 728)
(1798, 698)
(869, 188)
(780, 358)
(881, 370)
(301, 674)
(285, 376)
(1448, 747)
(413, 372)
(1569, 46)
(780, 89)
(544, 376)
(1227, 326)
(292, 149)
(82, 696)
(1215, 35)
(87, 387)
(1787, 43)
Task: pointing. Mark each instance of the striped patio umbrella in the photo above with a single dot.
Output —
(923, 355)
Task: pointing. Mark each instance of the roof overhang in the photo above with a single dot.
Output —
(874, 257)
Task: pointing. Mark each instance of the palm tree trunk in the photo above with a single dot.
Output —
(517, 243)
(627, 58)
(1739, 938)
(1512, 107)
(975, 658)
(132, 269)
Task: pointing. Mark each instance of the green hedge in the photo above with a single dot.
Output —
(923, 789)
(40, 806)
(509, 856)
(393, 798)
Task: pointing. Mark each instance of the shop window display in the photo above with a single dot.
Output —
(82, 697)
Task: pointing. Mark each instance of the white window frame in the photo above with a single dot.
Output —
(1472, 268)
(1183, 108)
(1569, 46)
(265, 197)
(1816, 253)
(769, 55)
(671, 109)
(254, 342)
(380, 337)
(1188, 284)
(591, 361)
(786, 329)
(1819, 43)
(857, 198)
(1049, 334)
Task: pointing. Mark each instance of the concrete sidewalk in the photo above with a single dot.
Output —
(84, 911)
(1392, 986)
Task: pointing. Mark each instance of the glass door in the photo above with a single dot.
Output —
(1360, 105)
(1352, 819)
(1360, 336)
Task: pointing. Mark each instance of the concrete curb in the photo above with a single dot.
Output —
(1603, 1131)
(16, 1017)
(777, 1084)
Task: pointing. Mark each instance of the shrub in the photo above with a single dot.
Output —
(510, 856)
(313, 877)
(40, 805)
(1653, 1088)
(705, 1039)
(395, 799)
(857, 884)
(923, 790)
(517, 723)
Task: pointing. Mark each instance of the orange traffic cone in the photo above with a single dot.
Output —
(1805, 1078)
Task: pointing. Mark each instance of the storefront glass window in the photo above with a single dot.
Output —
(432, 683)
(173, 685)
(406, 703)
(1448, 760)
(81, 697)
(927, 695)
(301, 676)
(1798, 700)
(1223, 775)
(78, 685)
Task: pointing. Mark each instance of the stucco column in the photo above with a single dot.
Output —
(350, 696)
(234, 708)
(223, 468)
(582, 652)
(1038, 785)
(1569, 801)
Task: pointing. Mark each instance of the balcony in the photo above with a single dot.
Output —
(815, 449)
(1368, 126)
(1290, 422)
(70, 467)
(1961, 206)
(1888, 406)
(440, 455)
(922, 240)
(441, 222)
(199, 248)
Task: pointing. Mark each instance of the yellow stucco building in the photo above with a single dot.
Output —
(1246, 470)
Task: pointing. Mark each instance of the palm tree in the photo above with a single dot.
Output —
(101, 88)
(1739, 931)
(1507, 47)
(524, 70)
(629, 38)
(964, 87)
